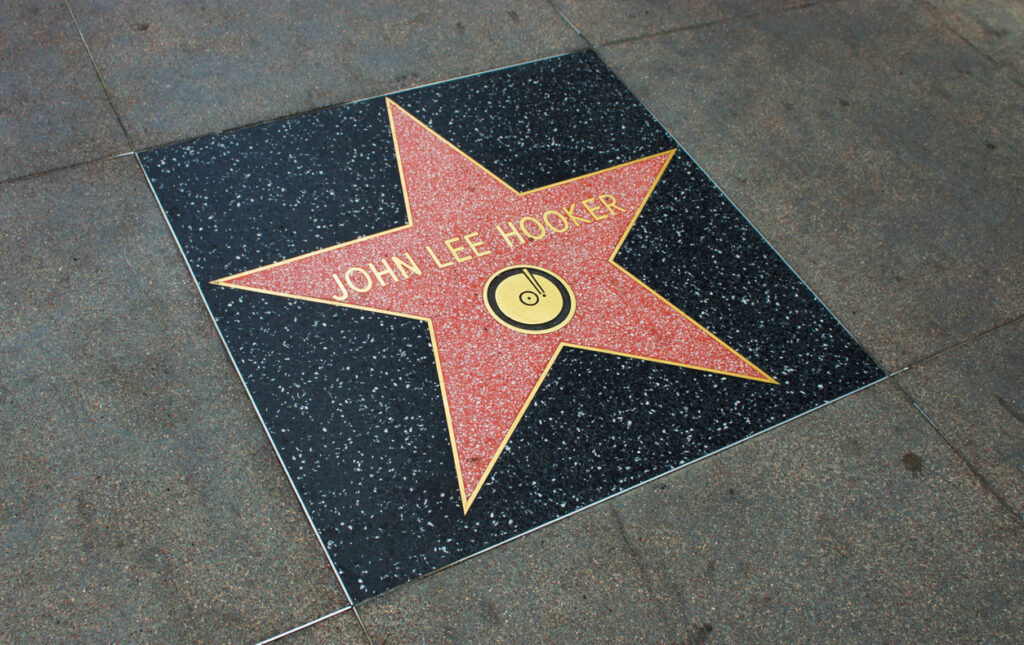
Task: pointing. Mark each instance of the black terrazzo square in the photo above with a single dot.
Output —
(547, 346)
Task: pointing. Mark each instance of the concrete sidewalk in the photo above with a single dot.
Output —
(879, 146)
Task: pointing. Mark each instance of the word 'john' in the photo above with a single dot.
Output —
(359, 280)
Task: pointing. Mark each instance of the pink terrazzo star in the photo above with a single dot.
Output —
(504, 280)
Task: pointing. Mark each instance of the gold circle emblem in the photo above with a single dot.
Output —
(529, 299)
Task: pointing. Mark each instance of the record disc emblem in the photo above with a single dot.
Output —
(529, 299)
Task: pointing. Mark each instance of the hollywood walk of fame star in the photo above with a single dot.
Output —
(504, 279)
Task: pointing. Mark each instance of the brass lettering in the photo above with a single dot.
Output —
(540, 227)
(404, 267)
(593, 209)
(552, 226)
(344, 292)
(380, 274)
(454, 250)
(609, 203)
(568, 210)
(439, 264)
(512, 232)
(473, 246)
(366, 277)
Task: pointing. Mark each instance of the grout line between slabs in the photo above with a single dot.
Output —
(863, 346)
(588, 46)
(984, 482)
(331, 106)
(252, 401)
(579, 33)
(134, 152)
(70, 166)
(99, 76)
(970, 466)
(970, 339)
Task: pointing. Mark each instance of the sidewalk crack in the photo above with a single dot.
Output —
(103, 84)
(982, 480)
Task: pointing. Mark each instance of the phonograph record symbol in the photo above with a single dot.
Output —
(504, 279)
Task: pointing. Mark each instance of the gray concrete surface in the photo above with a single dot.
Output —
(568, 583)
(53, 112)
(341, 629)
(877, 145)
(141, 501)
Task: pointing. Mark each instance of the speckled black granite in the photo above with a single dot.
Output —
(351, 398)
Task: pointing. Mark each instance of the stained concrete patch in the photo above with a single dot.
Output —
(53, 111)
(975, 395)
(877, 151)
(995, 27)
(141, 500)
(179, 70)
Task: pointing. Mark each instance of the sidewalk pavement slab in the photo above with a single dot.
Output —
(53, 111)
(855, 523)
(178, 71)
(878, 152)
(141, 501)
(974, 394)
